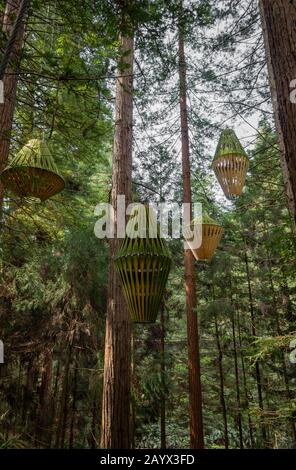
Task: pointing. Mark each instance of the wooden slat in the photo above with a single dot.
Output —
(230, 171)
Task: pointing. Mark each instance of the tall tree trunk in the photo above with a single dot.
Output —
(163, 383)
(133, 395)
(19, 387)
(195, 393)
(74, 399)
(221, 377)
(278, 23)
(55, 404)
(44, 416)
(63, 409)
(29, 387)
(117, 363)
(236, 371)
(254, 334)
(237, 385)
(10, 85)
(246, 391)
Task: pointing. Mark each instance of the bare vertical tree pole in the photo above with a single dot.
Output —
(221, 376)
(43, 419)
(74, 401)
(163, 382)
(278, 22)
(117, 363)
(195, 394)
(9, 85)
(237, 383)
(246, 391)
(236, 370)
(133, 398)
(254, 334)
(55, 403)
(63, 408)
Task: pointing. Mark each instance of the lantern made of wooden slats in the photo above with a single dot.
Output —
(211, 234)
(230, 164)
(143, 264)
(33, 172)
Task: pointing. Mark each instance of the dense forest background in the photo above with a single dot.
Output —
(53, 284)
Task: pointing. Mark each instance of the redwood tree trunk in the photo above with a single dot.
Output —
(237, 383)
(117, 366)
(74, 400)
(278, 22)
(163, 382)
(221, 377)
(246, 391)
(44, 416)
(55, 405)
(254, 334)
(236, 369)
(10, 85)
(195, 395)
(63, 409)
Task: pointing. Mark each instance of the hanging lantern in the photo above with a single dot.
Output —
(33, 173)
(143, 264)
(209, 234)
(230, 164)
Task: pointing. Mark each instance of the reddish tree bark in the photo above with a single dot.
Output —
(44, 418)
(222, 381)
(163, 382)
(237, 384)
(10, 85)
(117, 366)
(63, 408)
(246, 391)
(258, 374)
(278, 22)
(195, 395)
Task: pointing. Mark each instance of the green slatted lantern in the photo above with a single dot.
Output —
(143, 264)
(211, 234)
(33, 172)
(230, 164)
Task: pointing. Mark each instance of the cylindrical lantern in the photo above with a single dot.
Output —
(33, 173)
(143, 262)
(230, 164)
(209, 237)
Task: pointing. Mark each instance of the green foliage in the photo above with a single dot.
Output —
(53, 284)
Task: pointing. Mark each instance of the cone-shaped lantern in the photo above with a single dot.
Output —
(33, 173)
(143, 264)
(230, 164)
(210, 233)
